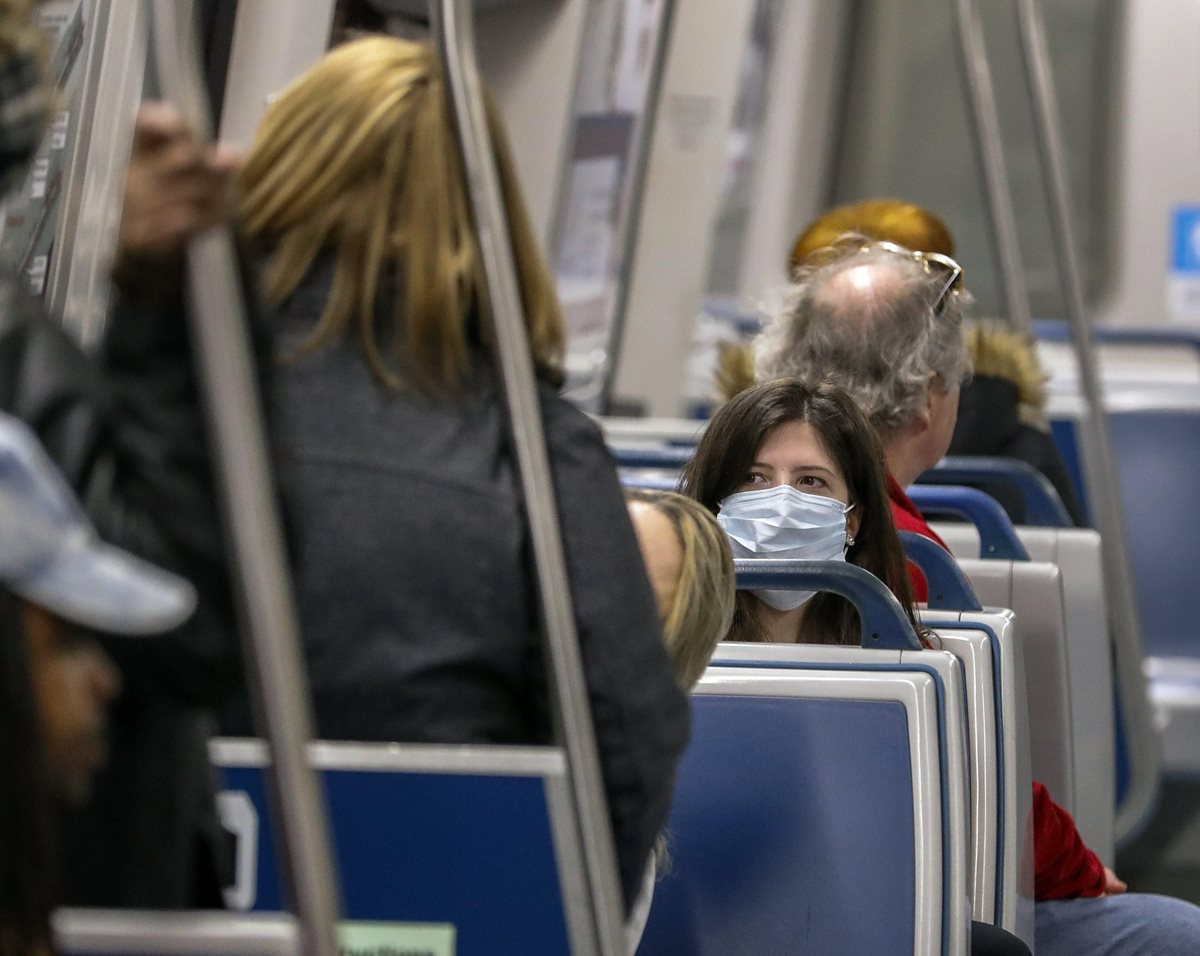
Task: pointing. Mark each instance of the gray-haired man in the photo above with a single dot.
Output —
(885, 324)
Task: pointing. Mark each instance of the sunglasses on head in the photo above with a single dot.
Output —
(934, 264)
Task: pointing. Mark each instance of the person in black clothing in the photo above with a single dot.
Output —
(127, 432)
(58, 583)
(1002, 412)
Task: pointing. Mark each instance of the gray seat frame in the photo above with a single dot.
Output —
(1077, 553)
(1001, 784)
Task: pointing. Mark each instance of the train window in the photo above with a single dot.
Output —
(906, 132)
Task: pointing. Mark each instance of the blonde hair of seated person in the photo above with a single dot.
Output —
(698, 611)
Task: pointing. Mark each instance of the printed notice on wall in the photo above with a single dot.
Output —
(1183, 283)
(396, 939)
(587, 239)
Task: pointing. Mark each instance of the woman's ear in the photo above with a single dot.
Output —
(853, 520)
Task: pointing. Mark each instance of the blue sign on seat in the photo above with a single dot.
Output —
(793, 830)
(428, 834)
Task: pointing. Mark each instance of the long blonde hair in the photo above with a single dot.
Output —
(358, 157)
(701, 611)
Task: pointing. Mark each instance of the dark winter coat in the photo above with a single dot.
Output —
(414, 582)
(128, 433)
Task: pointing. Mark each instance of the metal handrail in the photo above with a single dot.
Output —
(569, 705)
(883, 625)
(985, 122)
(1104, 486)
(279, 684)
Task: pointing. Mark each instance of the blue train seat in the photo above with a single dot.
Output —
(86, 932)
(1077, 553)
(663, 457)
(1030, 492)
(1153, 404)
(622, 432)
(1033, 591)
(823, 803)
(821, 807)
(1156, 448)
(986, 644)
(649, 478)
(1157, 453)
(412, 845)
(996, 533)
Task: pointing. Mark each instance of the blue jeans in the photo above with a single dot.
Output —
(1132, 924)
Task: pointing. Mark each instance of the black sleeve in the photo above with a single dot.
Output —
(128, 432)
(640, 714)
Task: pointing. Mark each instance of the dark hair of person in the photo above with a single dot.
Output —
(726, 454)
(26, 839)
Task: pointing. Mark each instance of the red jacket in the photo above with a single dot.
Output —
(1063, 865)
(906, 517)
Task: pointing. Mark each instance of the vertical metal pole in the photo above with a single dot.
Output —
(985, 123)
(81, 292)
(569, 704)
(279, 682)
(1103, 481)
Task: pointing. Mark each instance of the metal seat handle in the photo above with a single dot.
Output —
(883, 621)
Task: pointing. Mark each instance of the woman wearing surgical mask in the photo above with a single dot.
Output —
(796, 471)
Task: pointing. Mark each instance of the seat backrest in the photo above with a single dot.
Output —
(1033, 590)
(1077, 553)
(997, 534)
(471, 840)
(1009, 478)
(84, 932)
(821, 807)
(1002, 839)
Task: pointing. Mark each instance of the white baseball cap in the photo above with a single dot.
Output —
(51, 555)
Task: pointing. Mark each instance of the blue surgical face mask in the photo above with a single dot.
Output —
(783, 522)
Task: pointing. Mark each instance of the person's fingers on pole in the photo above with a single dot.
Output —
(156, 123)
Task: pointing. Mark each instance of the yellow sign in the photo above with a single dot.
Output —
(397, 939)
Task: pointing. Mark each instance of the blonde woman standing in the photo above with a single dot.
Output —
(415, 596)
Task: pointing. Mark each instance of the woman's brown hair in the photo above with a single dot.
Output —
(726, 454)
(357, 158)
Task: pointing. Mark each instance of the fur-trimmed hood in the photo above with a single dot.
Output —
(999, 352)
(735, 370)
